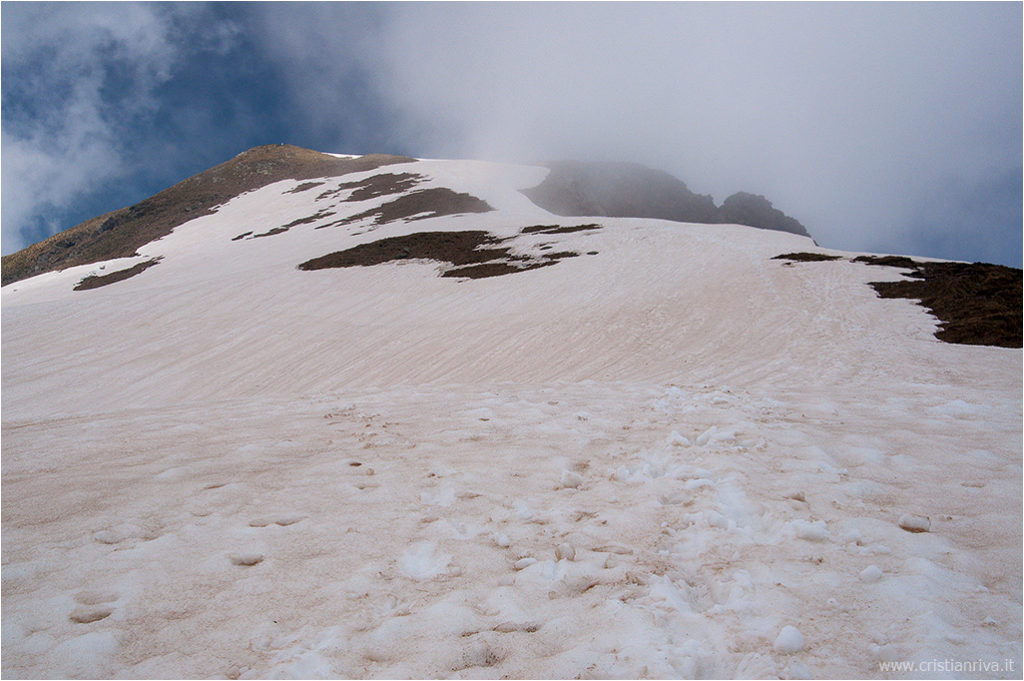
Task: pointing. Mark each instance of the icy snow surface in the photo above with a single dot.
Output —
(675, 458)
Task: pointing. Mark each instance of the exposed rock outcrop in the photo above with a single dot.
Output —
(625, 190)
(756, 211)
(629, 190)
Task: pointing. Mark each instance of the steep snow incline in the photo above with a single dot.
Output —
(669, 455)
(218, 318)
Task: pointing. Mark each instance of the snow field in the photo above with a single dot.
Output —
(674, 458)
(432, 532)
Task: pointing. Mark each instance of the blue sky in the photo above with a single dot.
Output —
(882, 127)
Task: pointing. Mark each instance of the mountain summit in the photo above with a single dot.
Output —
(379, 416)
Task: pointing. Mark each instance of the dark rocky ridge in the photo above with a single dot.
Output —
(755, 210)
(121, 233)
(571, 189)
(629, 190)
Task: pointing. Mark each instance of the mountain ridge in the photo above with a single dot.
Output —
(121, 232)
(975, 303)
(572, 188)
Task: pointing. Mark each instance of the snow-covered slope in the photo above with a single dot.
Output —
(648, 453)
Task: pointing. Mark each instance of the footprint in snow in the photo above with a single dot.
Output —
(91, 597)
(245, 559)
(90, 613)
(282, 520)
(914, 523)
(93, 606)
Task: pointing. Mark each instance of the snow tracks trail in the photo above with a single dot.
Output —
(579, 530)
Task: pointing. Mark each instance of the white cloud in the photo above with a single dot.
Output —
(846, 115)
(843, 115)
(77, 78)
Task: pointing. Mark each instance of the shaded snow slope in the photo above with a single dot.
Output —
(666, 454)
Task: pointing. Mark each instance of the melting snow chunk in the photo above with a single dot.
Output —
(870, 574)
(245, 559)
(810, 530)
(914, 523)
(789, 641)
(421, 561)
(677, 440)
(571, 480)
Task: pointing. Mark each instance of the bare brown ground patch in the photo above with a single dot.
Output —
(888, 261)
(304, 187)
(558, 229)
(423, 204)
(473, 254)
(493, 269)
(375, 186)
(96, 281)
(457, 248)
(270, 232)
(806, 257)
(975, 303)
(121, 233)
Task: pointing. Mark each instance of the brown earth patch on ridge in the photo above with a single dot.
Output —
(457, 248)
(121, 233)
(301, 221)
(97, 280)
(975, 303)
(558, 229)
(420, 205)
(375, 186)
(304, 187)
(473, 254)
(888, 261)
(806, 257)
(493, 269)
(269, 232)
